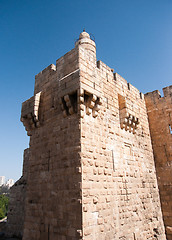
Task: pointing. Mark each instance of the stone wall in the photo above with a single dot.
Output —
(91, 173)
(16, 210)
(160, 121)
(119, 188)
(53, 200)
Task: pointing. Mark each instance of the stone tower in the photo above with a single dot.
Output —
(160, 120)
(90, 171)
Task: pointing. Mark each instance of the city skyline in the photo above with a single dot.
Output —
(9, 182)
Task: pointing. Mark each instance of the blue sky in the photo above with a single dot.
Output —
(132, 36)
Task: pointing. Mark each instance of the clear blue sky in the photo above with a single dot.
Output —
(133, 36)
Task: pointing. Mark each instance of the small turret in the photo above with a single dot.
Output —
(86, 42)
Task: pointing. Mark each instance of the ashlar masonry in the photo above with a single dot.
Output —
(89, 172)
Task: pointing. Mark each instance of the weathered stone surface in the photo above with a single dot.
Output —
(160, 121)
(91, 172)
(120, 196)
(16, 209)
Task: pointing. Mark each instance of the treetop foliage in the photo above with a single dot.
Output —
(3, 206)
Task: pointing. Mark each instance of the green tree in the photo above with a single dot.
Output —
(3, 206)
(4, 190)
(1, 213)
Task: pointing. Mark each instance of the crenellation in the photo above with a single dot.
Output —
(42, 78)
(153, 96)
(120, 79)
(70, 59)
(104, 68)
(47, 70)
(167, 91)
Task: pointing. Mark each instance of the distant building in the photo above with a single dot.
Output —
(9, 183)
(2, 180)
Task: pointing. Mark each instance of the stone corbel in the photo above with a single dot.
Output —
(29, 113)
(69, 104)
(81, 102)
(88, 103)
(128, 121)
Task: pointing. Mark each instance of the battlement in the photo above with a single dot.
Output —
(155, 95)
(102, 66)
(47, 70)
(77, 75)
(167, 91)
(77, 63)
(42, 78)
(154, 99)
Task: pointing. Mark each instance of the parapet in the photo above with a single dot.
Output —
(48, 69)
(155, 101)
(43, 77)
(155, 96)
(30, 113)
(167, 91)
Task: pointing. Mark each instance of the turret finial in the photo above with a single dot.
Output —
(86, 42)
